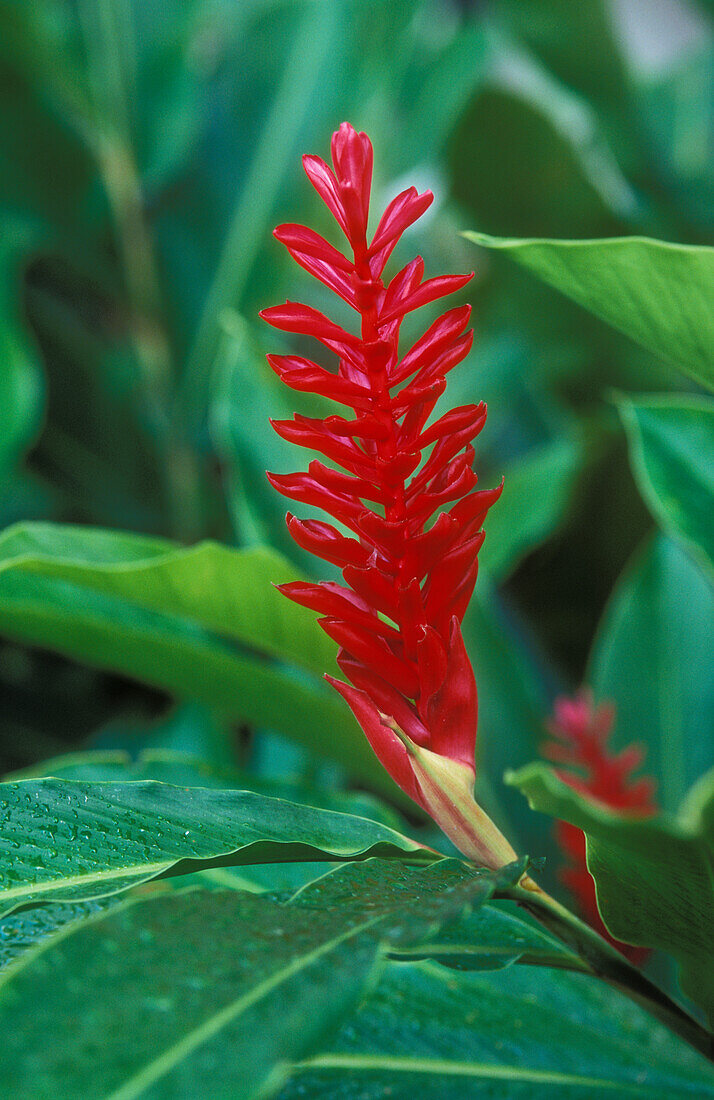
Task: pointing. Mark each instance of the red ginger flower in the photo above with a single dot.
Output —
(408, 577)
(580, 732)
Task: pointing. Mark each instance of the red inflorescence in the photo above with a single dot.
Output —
(580, 732)
(408, 577)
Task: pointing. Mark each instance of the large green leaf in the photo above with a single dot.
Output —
(178, 1012)
(658, 293)
(672, 454)
(183, 769)
(654, 657)
(653, 877)
(228, 591)
(135, 605)
(517, 1033)
(67, 840)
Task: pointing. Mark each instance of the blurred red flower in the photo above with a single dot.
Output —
(580, 732)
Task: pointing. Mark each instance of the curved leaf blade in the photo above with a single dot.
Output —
(657, 293)
(171, 653)
(67, 840)
(671, 442)
(227, 591)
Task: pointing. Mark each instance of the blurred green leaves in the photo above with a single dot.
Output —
(654, 656)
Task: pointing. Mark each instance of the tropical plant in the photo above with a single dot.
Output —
(214, 880)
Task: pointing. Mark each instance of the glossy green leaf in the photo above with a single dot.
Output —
(175, 1011)
(227, 591)
(654, 657)
(96, 603)
(187, 770)
(494, 936)
(178, 1012)
(67, 840)
(516, 1033)
(658, 293)
(672, 454)
(653, 877)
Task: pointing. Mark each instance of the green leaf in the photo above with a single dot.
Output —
(178, 1012)
(653, 877)
(66, 840)
(515, 1033)
(658, 293)
(672, 454)
(24, 929)
(494, 936)
(654, 657)
(140, 606)
(227, 591)
(537, 491)
(187, 770)
(183, 1013)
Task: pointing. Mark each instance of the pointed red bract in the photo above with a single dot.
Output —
(410, 565)
(580, 733)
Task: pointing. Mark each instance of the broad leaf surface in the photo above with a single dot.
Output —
(185, 770)
(672, 454)
(65, 840)
(170, 651)
(658, 293)
(517, 1033)
(654, 657)
(178, 1012)
(653, 877)
(230, 592)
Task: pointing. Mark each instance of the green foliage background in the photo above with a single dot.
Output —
(148, 148)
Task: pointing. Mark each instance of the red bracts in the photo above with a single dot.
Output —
(580, 732)
(408, 514)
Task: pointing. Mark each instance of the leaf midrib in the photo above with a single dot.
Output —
(209, 1028)
(445, 1067)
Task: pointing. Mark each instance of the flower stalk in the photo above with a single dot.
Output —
(407, 498)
